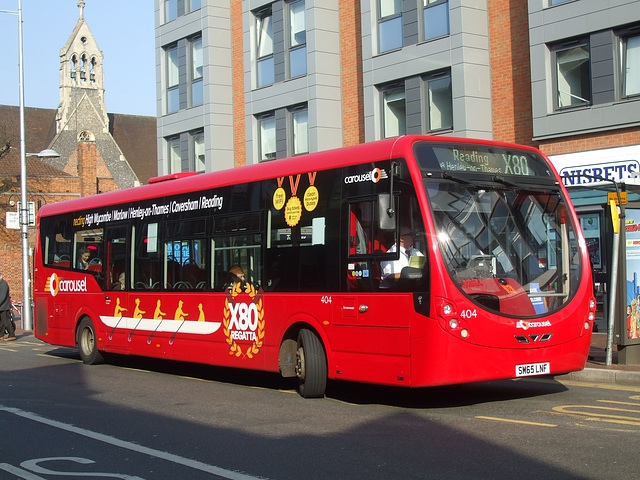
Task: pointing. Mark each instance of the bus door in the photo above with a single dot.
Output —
(370, 312)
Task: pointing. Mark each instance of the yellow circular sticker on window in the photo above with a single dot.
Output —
(279, 197)
(293, 211)
(311, 198)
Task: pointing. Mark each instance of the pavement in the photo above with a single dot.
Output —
(595, 371)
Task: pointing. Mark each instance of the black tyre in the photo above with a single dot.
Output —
(311, 365)
(88, 343)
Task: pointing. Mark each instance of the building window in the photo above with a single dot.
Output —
(267, 132)
(389, 25)
(194, 5)
(435, 15)
(174, 154)
(196, 71)
(297, 39)
(440, 100)
(557, 2)
(170, 10)
(631, 65)
(173, 79)
(573, 75)
(197, 147)
(264, 54)
(299, 129)
(394, 111)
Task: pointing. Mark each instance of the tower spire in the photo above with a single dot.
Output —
(81, 8)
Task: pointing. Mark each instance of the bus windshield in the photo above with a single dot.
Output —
(509, 245)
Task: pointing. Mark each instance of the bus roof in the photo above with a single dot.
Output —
(177, 184)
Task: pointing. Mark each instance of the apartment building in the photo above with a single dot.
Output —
(245, 81)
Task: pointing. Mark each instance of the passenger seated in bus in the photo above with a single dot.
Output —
(83, 259)
(120, 284)
(391, 269)
(236, 275)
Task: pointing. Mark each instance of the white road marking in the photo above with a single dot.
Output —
(116, 442)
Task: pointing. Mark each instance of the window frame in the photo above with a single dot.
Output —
(270, 116)
(300, 48)
(432, 5)
(428, 117)
(388, 19)
(195, 81)
(170, 10)
(193, 5)
(623, 38)
(193, 153)
(172, 90)
(385, 89)
(567, 47)
(293, 138)
(173, 155)
(267, 59)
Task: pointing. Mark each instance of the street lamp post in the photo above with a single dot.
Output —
(27, 320)
(27, 317)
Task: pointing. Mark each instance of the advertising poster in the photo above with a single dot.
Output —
(590, 224)
(633, 273)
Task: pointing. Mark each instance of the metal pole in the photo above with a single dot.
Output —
(613, 295)
(613, 285)
(27, 323)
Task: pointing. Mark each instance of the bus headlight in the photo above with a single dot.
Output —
(464, 333)
(592, 303)
(591, 316)
(447, 309)
(586, 325)
(453, 323)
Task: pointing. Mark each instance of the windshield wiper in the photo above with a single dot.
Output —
(448, 176)
(524, 186)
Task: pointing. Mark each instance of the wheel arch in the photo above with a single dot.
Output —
(289, 343)
(85, 312)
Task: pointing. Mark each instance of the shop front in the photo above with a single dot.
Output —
(594, 178)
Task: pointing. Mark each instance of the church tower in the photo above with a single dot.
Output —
(80, 72)
(83, 134)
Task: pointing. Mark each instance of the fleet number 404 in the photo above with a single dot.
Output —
(469, 313)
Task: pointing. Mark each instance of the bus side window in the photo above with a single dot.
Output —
(237, 243)
(57, 240)
(147, 262)
(117, 258)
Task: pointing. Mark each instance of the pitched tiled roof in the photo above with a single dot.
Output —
(134, 134)
(136, 137)
(10, 165)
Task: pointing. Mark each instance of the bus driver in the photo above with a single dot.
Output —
(391, 269)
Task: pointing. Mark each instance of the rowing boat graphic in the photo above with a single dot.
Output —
(150, 325)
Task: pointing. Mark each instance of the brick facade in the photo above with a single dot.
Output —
(510, 72)
(351, 67)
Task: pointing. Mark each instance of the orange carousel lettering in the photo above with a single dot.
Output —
(56, 284)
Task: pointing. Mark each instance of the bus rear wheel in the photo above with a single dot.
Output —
(311, 365)
(88, 343)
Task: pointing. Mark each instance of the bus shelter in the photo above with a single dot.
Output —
(616, 275)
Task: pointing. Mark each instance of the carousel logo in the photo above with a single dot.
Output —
(243, 320)
(527, 325)
(56, 284)
(374, 176)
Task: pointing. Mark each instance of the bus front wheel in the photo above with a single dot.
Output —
(311, 365)
(88, 343)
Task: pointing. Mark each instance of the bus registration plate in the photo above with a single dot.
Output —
(533, 369)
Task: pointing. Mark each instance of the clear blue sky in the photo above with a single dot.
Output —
(123, 29)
